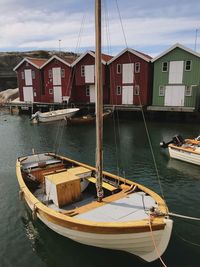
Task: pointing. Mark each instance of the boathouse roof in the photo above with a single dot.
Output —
(177, 45)
(134, 52)
(105, 58)
(36, 62)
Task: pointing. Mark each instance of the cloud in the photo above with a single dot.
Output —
(148, 25)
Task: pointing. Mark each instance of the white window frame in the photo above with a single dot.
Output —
(188, 90)
(163, 66)
(82, 70)
(62, 73)
(33, 74)
(51, 91)
(190, 65)
(87, 90)
(119, 68)
(136, 90)
(161, 90)
(118, 90)
(50, 73)
(137, 67)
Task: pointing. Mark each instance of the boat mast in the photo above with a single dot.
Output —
(99, 101)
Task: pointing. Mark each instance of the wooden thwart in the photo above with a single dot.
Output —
(107, 186)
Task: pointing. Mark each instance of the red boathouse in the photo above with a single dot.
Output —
(29, 79)
(57, 74)
(84, 78)
(130, 78)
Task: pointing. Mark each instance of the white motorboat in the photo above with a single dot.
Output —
(55, 115)
(187, 150)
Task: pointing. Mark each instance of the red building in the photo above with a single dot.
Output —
(84, 78)
(57, 74)
(29, 79)
(130, 78)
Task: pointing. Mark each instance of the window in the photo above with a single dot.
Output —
(82, 71)
(27, 64)
(87, 90)
(188, 65)
(137, 67)
(50, 91)
(22, 75)
(164, 66)
(119, 68)
(33, 74)
(50, 74)
(162, 90)
(119, 90)
(62, 73)
(136, 90)
(188, 90)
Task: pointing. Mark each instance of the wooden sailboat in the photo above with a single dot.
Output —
(91, 206)
(87, 118)
(187, 150)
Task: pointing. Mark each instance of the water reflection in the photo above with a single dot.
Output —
(184, 168)
(55, 250)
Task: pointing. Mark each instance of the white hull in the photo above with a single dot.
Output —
(183, 155)
(138, 244)
(56, 115)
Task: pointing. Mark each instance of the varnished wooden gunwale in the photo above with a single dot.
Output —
(186, 149)
(89, 226)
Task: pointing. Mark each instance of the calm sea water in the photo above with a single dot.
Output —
(24, 242)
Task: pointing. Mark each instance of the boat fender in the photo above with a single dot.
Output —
(21, 195)
(34, 213)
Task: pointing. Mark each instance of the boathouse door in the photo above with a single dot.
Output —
(57, 94)
(176, 72)
(92, 94)
(127, 95)
(56, 76)
(28, 77)
(174, 95)
(89, 73)
(28, 94)
(127, 73)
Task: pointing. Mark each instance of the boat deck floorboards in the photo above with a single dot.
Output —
(131, 207)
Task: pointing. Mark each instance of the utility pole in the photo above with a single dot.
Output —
(195, 43)
(59, 46)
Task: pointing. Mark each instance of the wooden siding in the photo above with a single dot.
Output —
(143, 79)
(48, 82)
(37, 81)
(189, 77)
(87, 60)
(79, 84)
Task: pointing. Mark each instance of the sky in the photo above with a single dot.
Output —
(149, 26)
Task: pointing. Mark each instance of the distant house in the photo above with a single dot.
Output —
(57, 75)
(176, 80)
(130, 78)
(84, 78)
(29, 79)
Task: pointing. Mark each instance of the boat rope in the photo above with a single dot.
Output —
(183, 216)
(156, 212)
(154, 243)
(60, 129)
(143, 115)
(152, 152)
(115, 114)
